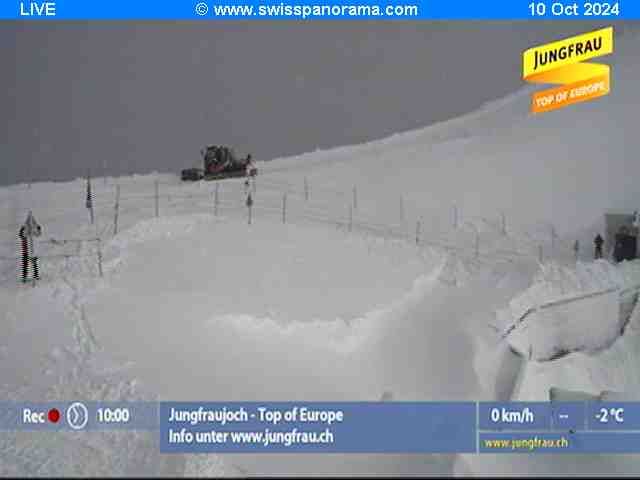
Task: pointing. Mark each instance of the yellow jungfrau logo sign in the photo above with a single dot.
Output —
(561, 62)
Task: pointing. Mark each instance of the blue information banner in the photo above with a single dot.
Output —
(321, 10)
(353, 427)
(348, 427)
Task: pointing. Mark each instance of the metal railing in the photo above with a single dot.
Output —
(565, 301)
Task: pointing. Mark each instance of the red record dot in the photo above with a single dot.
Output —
(54, 415)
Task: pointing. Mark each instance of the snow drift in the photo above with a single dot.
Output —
(568, 309)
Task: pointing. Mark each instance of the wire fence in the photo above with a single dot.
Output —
(117, 207)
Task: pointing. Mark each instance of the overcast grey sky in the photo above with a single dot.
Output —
(148, 96)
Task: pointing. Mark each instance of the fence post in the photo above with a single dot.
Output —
(117, 211)
(100, 256)
(355, 197)
(503, 218)
(33, 259)
(418, 227)
(350, 217)
(157, 199)
(576, 250)
(249, 206)
(540, 254)
(455, 217)
(89, 202)
(216, 199)
(306, 189)
(284, 208)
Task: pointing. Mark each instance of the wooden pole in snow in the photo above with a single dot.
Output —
(249, 206)
(157, 198)
(456, 218)
(89, 202)
(284, 208)
(33, 259)
(418, 228)
(117, 211)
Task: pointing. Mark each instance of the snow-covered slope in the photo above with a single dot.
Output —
(564, 167)
(369, 284)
